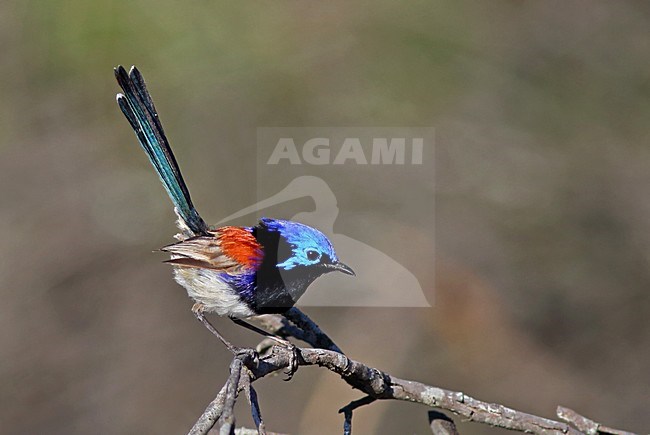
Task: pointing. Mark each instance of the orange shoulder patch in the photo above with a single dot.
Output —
(240, 245)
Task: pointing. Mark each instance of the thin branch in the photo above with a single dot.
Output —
(294, 323)
(381, 385)
(256, 413)
(441, 424)
(248, 431)
(307, 331)
(280, 326)
(232, 390)
(210, 415)
(313, 334)
(585, 425)
(347, 412)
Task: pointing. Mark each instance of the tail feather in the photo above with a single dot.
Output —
(138, 107)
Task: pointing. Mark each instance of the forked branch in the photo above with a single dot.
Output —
(377, 385)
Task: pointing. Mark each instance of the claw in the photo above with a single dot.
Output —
(293, 361)
(265, 346)
(197, 309)
(247, 354)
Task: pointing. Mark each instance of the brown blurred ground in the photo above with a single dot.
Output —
(542, 222)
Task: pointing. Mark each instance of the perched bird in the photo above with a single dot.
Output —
(236, 272)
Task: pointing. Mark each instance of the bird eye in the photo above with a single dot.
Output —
(313, 255)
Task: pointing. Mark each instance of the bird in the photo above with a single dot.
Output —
(233, 271)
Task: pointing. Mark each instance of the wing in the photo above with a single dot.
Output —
(227, 249)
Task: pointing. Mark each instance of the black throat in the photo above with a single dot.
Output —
(277, 290)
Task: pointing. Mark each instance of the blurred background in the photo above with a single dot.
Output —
(542, 217)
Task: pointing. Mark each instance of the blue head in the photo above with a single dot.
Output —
(303, 247)
(294, 256)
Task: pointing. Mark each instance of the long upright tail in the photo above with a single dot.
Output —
(137, 106)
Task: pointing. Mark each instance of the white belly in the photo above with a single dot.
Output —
(207, 288)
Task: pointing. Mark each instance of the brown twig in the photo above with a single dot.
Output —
(585, 425)
(232, 391)
(295, 323)
(381, 385)
(347, 412)
(441, 424)
(312, 333)
(248, 431)
(279, 325)
(256, 413)
(210, 415)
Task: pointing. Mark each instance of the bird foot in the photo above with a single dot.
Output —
(247, 355)
(293, 357)
(293, 362)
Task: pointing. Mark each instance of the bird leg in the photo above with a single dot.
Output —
(197, 309)
(293, 359)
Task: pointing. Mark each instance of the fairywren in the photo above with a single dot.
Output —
(232, 271)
